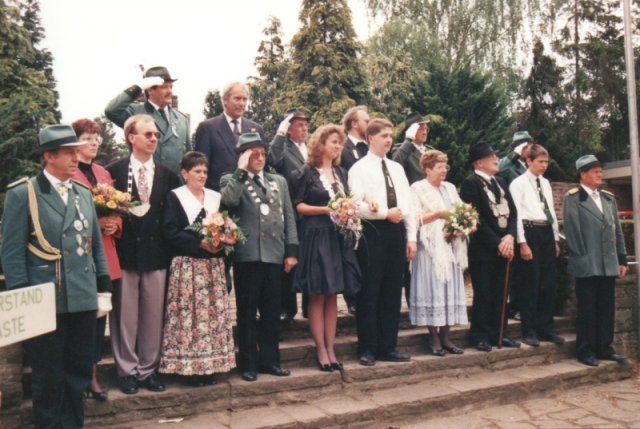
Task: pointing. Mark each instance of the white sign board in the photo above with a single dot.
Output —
(27, 313)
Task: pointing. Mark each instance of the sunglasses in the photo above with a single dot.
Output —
(149, 134)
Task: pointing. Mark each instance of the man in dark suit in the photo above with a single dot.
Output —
(409, 152)
(597, 256)
(355, 123)
(138, 305)
(263, 206)
(53, 235)
(491, 248)
(217, 137)
(173, 125)
(287, 153)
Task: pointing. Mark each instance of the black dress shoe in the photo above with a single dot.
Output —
(394, 356)
(612, 356)
(276, 370)
(438, 352)
(453, 350)
(128, 385)
(589, 360)
(531, 340)
(96, 396)
(153, 384)
(552, 338)
(337, 366)
(285, 317)
(249, 376)
(508, 342)
(367, 359)
(324, 367)
(483, 346)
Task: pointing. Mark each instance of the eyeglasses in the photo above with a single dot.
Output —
(149, 134)
(89, 139)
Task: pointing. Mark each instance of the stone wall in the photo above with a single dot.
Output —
(626, 328)
(11, 375)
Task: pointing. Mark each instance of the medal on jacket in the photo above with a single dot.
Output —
(264, 209)
(174, 130)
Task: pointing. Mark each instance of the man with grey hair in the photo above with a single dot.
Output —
(217, 137)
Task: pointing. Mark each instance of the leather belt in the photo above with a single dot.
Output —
(531, 223)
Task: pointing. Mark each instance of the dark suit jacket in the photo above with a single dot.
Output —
(284, 157)
(142, 246)
(484, 243)
(349, 155)
(409, 157)
(215, 139)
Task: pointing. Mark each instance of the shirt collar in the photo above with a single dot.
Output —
(484, 175)
(54, 180)
(372, 155)
(158, 107)
(589, 190)
(136, 164)
(531, 176)
(260, 175)
(229, 119)
(355, 139)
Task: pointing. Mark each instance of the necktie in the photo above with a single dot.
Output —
(392, 200)
(495, 189)
(62, 189)
(143, 186)
(164, 115)
(596, 199)
(236, 130)
(258, 182)
(362, 148)
(543, 200)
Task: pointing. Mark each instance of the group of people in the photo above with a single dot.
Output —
(171, 286)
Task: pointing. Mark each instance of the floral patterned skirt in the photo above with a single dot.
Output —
(197, 336)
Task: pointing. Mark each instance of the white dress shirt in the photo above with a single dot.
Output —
(594, 194)
(367, 184)
(229, 119)
(524, 191)
(149, 170)
(55, 182)
(302, 147)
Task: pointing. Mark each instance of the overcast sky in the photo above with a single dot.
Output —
(97, 45)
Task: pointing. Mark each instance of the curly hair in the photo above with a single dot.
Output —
(430, 158)
(316, 147)
(85, 125)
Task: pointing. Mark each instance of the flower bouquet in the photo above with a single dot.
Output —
(220, 231)
(461, 222)
(344, 214)
(111, 202)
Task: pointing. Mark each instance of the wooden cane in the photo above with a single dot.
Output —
(503, 312)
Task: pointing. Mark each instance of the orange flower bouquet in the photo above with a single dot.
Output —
(111, 202)
(220, 231)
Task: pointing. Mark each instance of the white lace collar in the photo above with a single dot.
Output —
(192, 206)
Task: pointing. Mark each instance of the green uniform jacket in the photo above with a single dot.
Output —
(595, 240)
(408, 156)
(174, 140)
(82, 275)
(270, 237)
(511, 167)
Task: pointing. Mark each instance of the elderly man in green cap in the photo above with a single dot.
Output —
(597, 256)
(173, 125)
(262, 203)
(514, 164)
(51, 234)
(408, 153)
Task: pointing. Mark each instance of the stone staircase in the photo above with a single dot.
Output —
(383, 396)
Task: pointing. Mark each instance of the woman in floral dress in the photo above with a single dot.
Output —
(197, 337)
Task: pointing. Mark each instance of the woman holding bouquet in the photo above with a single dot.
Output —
(197, 336)
(91, 174)
(327, 263)
(437, 284)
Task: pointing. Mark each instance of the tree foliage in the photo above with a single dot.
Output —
(27, 98)
(326, 74)
(212, 104)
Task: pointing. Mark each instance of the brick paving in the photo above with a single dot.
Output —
(610, 405)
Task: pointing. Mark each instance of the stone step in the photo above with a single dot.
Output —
(300, 352)
(326, 401)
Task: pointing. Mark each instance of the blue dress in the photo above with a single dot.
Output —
(326, 265)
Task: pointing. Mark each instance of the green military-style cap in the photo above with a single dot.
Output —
(520, 137)
(56, 136)
(248, 141)
(586, 162)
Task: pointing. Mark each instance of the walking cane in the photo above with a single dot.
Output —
(503, 312)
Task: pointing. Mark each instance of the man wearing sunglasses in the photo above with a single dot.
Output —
(138, 304)
(172, 125)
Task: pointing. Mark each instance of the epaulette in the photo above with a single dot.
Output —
(183, 114)
(604, 191)
(77, 182)
(572, 191)
(17, 182)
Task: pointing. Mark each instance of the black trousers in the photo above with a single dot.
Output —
(381, 256)
(487, 277)
(538, 282)
(61, 367)
(258, 286)
(596, 313)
